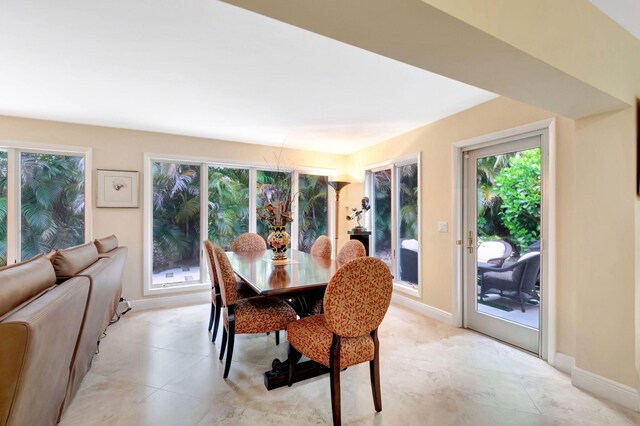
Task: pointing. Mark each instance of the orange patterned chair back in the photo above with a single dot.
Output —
(226, 277)
(351, 250)
(322, 247)
(357, 297)
(211, 264)
(249, 242)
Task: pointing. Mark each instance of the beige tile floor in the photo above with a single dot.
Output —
(159, 367)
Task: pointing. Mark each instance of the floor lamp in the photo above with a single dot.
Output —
(337, 185)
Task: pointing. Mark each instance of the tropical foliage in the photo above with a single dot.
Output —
(228, 205)
(3, 208)
(518, 185)
(312, 210)
(509, 198)
(407, 202)
(52, 202)
(382, 210)
(176, 215)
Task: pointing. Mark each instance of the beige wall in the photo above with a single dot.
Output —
(434, 142)
(124, 150)
(605, 246)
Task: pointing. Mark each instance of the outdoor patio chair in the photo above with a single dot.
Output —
(515, 281)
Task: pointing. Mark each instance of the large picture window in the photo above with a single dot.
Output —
(313, 209)
(228, 204)
(176, 223)
(394, 191)
(180, 190)
(44, 200)
(51, 202)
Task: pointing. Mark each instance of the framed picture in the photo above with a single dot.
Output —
(117, 188)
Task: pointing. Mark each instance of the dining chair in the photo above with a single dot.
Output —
(321, 247)
(352, 249)
(216, 301)
(248, 242)
(260, 314)
(355, 303)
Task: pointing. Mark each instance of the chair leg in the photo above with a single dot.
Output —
(224, 343)
(216, 321)
(374, 370)
(277, 337)
(213, 310)
(334, 363)
(232, 335)
(294, 357)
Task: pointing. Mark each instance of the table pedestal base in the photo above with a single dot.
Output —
(278, 376)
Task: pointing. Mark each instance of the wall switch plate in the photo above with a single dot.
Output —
(443, 226)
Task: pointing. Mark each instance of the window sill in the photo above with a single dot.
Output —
(401, 287)
(175, 288)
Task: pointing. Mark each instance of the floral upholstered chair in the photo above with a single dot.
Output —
(216, 301)
(351, 250)
(253, 315)
(249, 242)
(321, 247)
(355, 302)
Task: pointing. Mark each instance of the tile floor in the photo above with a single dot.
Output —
(159, 367)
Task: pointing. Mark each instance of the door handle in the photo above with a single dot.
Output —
(470, 242)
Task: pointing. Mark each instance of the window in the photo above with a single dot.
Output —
(382, 215)
(3, 208)
(228, 204)
(44, 200)
(394, 193)
(313, 209)
(181, 189)
(176, 223)
(51, 202)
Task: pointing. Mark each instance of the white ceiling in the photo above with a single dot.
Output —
(625, 12)
(205, 68)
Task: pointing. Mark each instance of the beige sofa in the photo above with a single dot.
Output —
(50, 333)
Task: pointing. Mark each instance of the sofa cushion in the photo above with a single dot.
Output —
(23, 281)
(105, 245)
(69, 262)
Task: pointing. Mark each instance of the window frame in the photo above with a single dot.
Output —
(204, 283)
(394, 165)
(14, 149)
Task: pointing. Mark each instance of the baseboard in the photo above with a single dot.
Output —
(171, 301)
(613, 391)
(423, 309)
(564, 363)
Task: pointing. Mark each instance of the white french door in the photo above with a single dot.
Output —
(503, 235)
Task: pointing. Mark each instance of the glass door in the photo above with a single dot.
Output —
(503, 200)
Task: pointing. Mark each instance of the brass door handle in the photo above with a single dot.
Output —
(470, 242)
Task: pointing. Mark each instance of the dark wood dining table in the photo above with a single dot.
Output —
(300, 280)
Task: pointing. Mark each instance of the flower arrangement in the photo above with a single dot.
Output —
(277, 205)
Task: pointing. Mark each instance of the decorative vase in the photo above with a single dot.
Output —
(279, 241)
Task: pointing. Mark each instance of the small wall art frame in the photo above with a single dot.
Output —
(118, 188)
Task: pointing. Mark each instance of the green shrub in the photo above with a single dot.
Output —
(518, 185)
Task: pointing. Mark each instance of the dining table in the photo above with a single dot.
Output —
(300, 280)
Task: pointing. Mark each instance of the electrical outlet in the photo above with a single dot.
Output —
(443, 227)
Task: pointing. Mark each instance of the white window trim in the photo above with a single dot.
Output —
(13, 149)
(204, 282)
(393, 164)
